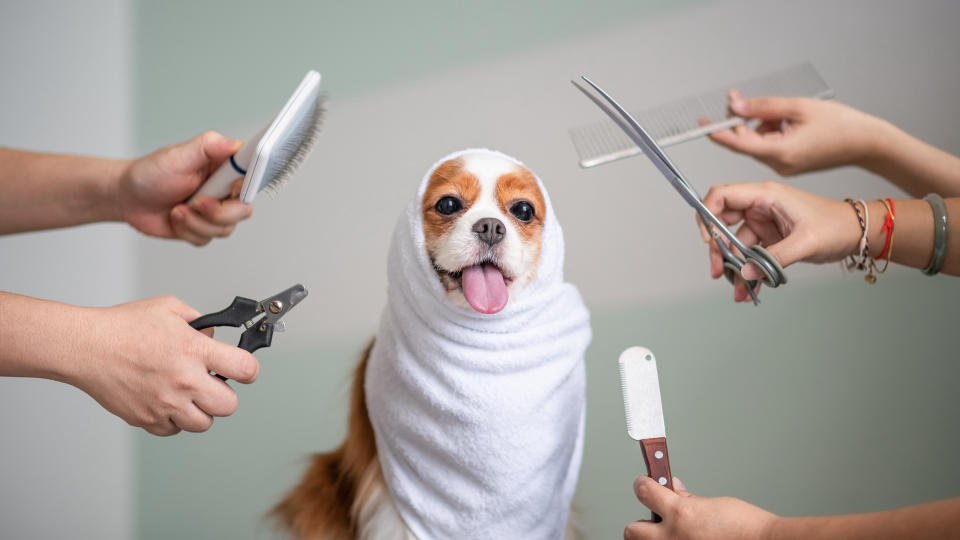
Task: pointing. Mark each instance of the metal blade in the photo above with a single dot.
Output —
(279, 304)
(641, 394)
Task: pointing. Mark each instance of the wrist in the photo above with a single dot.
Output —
(773, 529)
(881, 141)
(853, 229)
(111, 186)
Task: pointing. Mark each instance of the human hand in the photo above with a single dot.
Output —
(793, 225)
(144, 363)
(798, 135)
(687, 516)
(151, 192)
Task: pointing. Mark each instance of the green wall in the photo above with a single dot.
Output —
(217, 62)
(803, 406)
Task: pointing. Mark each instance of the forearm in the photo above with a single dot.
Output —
(915, 166)
(939, 519)
(40, 338)
(44, 191)
(913, 233)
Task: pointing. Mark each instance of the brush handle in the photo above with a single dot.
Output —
(219, 183)
(657, 460)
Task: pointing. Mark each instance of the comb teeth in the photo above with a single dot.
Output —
(625, 392)
(678, 121)
(294, 149)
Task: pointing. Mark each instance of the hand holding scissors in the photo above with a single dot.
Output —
(773, 273)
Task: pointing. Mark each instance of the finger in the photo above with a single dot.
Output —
(739, 291)
(195, 224)
(215, 397)
(731, 217)
(716, 261)
(651, 494)
(222, 213)
(642, 530)
(770, 127)
(747, 237)
(680, 488)
(191, 418)
(768, 108)
(178, 219)
(744, 196)
(163, 429)
(215, 147)
(232, 362)
(786, 252)
(236, 188)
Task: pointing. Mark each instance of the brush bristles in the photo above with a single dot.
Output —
(625, 389)
(293, 151)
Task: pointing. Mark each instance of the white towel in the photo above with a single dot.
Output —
(478, 418)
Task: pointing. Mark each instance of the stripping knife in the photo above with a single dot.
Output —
(644, 412)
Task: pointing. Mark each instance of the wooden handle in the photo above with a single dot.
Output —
(657, 460)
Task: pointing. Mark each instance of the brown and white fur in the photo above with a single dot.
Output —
(343, 494)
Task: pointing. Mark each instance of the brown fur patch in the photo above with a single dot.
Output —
(449, 179)
(326, 502)
(521, 185)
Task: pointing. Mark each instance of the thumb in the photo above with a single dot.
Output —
(765, 108)
(214, 147)
(654, 496)
(786, 252)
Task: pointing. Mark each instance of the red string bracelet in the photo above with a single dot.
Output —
(887, 229)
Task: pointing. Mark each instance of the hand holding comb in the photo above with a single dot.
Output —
(644, 412)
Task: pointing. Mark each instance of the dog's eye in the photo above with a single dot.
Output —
(522, 210)
(448, 206)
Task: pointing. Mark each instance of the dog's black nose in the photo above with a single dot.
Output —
(490, 230)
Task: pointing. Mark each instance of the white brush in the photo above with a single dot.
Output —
(268, 160)
(644, 412)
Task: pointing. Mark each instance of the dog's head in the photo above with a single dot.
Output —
(482, 222)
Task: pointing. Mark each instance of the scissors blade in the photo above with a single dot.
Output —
(279, 304)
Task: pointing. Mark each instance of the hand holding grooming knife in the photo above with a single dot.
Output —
(644, 412)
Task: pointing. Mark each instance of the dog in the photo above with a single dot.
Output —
(467, 409)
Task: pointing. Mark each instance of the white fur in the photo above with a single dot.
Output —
(379, 519)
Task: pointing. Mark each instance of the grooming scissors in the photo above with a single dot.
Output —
(243, 312)
(773, 274)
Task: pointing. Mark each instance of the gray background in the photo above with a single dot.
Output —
(832, 397)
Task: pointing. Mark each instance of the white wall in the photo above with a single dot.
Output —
(65, 463)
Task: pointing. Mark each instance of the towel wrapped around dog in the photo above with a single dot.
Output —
(479, 419)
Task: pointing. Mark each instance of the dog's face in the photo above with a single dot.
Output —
(483, 221)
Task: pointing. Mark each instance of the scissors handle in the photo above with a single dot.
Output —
(240, 311)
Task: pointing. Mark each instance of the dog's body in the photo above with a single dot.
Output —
(482, 219)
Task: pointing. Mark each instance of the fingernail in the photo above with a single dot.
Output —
(236, 144)
(737, 103)
(177, 213)
(750, 272)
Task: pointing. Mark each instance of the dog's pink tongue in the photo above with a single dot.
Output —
(484, 288)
